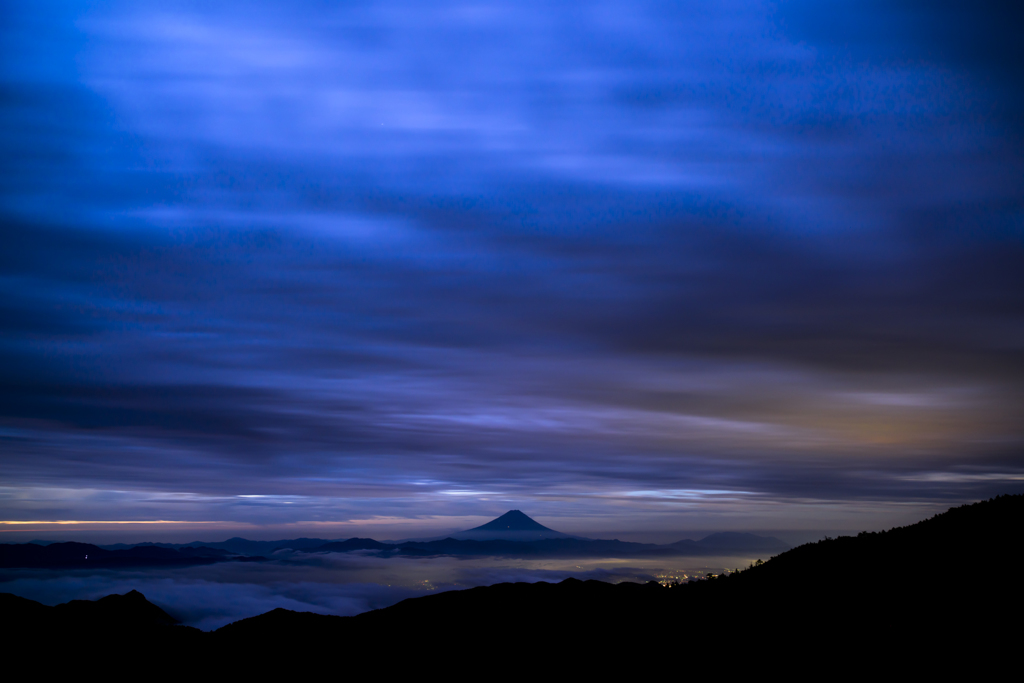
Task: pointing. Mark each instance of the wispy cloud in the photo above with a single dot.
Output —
(286, 264)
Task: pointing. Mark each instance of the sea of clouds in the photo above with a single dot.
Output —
(344, 584)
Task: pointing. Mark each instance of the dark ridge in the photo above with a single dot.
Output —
(729, 541)
(204, 551)
(284, 621)
(931, 595)
(20, 610)
(130, 610)
(940, 596)
(87, 556)
(548, 547)
(71, 555)
(232, 546)
(513, 520)
(353, 544)
(244, 546)
(92, 626)
(562, 547)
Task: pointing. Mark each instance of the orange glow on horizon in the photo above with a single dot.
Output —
(106, 521)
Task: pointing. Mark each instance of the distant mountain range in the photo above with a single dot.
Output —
(85, 555)
(514, 534)
(933, 597)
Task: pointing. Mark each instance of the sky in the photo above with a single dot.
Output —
(391, 269)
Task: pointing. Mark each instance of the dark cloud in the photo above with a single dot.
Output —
(976, 37)
(976, 34)
(568, 254)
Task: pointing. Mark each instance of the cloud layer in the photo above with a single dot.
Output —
(343, 584)
(377, 261)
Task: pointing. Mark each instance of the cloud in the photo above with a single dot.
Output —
(208, 605)
(340, 584)
(542, 252)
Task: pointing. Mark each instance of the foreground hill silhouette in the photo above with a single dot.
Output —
(943, 592)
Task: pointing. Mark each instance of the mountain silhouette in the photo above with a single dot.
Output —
(908, 599)
(514, 525)
(90, 624)
(352, 544)
(513, 520)
(529, 542)
(939, 597)
(87, 556)
(726, 542)
(513, 534)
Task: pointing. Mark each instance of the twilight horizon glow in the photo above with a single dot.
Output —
(391, 268)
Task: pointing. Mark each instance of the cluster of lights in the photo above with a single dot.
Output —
(672, 579)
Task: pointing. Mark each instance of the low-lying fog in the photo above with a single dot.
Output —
(346, 584)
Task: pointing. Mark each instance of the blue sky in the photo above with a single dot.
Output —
(387, 267)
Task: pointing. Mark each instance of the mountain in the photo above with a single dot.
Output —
(236, 545)
(511, 526)
(513, 534)
(564, 547)
(128, 618)
(513, 520)
(729, 542)
(87, 556)
(941, 597)
(525, 536)
(352, 544)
